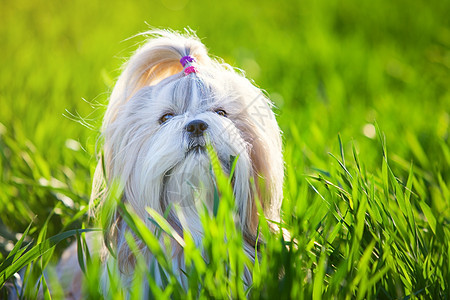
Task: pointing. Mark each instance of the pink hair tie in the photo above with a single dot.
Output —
(189, 70)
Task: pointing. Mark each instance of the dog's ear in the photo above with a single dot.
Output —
(266, 155)
(156, 60)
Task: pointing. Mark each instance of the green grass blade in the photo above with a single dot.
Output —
(35, 252)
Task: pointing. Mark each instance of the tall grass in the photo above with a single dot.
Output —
(361, 90)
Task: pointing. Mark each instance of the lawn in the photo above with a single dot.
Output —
(361, 90)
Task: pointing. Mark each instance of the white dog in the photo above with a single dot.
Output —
(170, 99)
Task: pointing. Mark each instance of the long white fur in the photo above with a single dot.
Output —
(151, 160)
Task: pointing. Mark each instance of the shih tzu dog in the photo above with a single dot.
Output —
(170, 100)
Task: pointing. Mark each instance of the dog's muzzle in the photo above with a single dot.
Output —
(195, 130)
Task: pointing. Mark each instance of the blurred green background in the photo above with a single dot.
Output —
(331, 67)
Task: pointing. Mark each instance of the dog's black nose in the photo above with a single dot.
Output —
(196, 127)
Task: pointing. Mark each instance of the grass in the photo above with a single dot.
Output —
(361, 90)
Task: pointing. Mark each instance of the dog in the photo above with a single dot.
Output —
(170, 101)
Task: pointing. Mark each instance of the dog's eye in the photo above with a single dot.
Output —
(165, 118)
(221, 112)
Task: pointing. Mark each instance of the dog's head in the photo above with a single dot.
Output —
(160, 116)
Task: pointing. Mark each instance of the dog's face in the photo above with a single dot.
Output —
(159, 121)
(181, 124)
(167, 127)
(160, 136)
